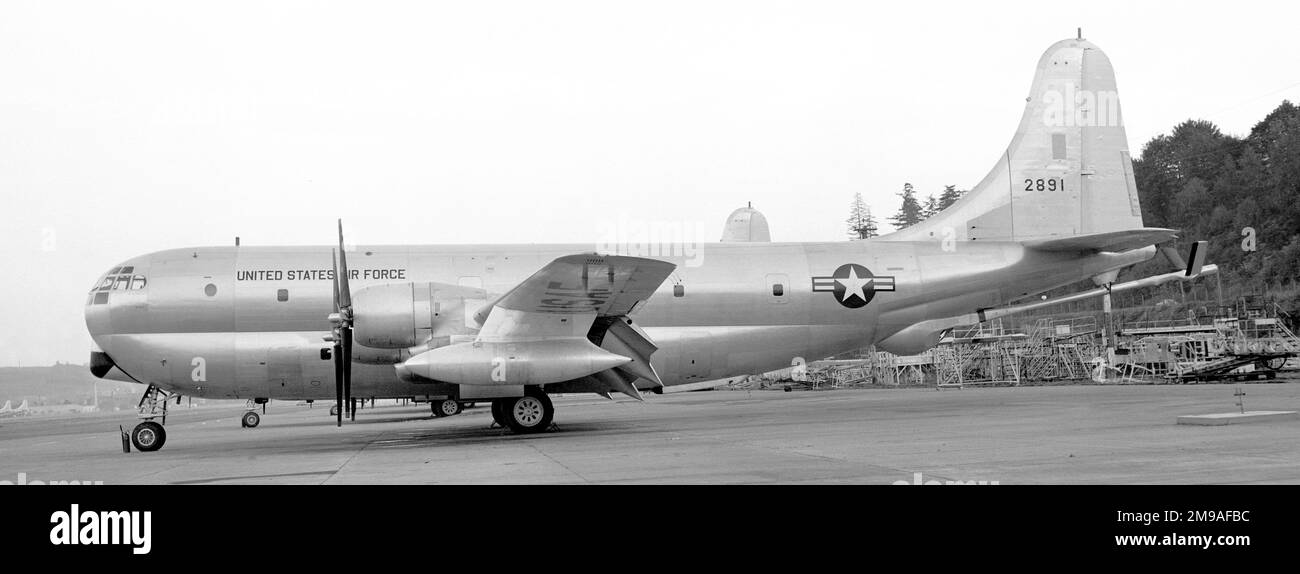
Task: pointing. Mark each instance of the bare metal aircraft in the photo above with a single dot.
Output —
(511, 324)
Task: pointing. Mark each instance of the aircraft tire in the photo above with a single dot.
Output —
(531, 413)
(498, 412)
(445, 408)
(250, 420)
(334, 411)
(148, 436)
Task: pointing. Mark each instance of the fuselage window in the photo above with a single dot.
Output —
(138, 282)
(679, 290)
(106, 284)
(101, 297)
(778, 290)
(122, 283)
(282, 295)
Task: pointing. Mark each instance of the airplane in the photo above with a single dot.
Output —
(512, 324)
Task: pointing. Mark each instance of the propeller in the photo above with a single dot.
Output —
(342, 336)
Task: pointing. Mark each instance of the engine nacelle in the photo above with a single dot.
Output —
(539, 362)
(405, 315)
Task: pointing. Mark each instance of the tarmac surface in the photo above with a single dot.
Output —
(1038, 435)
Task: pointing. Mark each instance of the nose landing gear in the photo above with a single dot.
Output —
(150, 435)
(251, 419)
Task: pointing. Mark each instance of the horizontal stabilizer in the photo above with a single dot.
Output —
(1111, 241)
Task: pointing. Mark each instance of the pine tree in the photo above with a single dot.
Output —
(949, 196)
(930, 208)
(861, 223)
(909, 213)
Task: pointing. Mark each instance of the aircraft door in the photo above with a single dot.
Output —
(251, 365)
(284, 363)
(697, 357)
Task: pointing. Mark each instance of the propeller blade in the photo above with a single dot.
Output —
(345, 293)
(338, 380)
(347, 371)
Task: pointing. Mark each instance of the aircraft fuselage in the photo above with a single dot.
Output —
(251, 322)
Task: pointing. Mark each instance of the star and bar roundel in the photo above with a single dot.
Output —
(853, 285)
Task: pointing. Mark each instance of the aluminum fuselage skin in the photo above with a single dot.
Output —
(251, 322)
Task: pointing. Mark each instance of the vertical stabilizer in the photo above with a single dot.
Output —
(1067, 171)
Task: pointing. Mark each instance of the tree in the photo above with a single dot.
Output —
(909, 213)
(1239, 194)
(949, 196)
(930, 207)
(1195, 149)
(861, 223)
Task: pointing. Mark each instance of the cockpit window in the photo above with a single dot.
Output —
(118, 279)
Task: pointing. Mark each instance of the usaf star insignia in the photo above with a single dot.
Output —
(853, 285)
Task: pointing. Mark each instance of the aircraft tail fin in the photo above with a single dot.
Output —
(1067, 171)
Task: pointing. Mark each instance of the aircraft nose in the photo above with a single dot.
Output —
(125, 280)
(97, 314)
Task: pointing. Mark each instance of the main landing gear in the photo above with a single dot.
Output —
(531, 413)
(150, 435)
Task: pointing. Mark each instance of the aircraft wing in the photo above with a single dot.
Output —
(1112, 241)
(607, 285)
(537, 333)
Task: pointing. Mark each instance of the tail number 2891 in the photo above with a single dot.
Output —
(1054, 184)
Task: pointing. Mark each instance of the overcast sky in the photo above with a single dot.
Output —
(129, 127)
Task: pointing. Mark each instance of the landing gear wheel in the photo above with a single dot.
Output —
(530, 413)
(334, 411)
(499, 412)
(148, 436)
(250, 420)
(446, 408)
